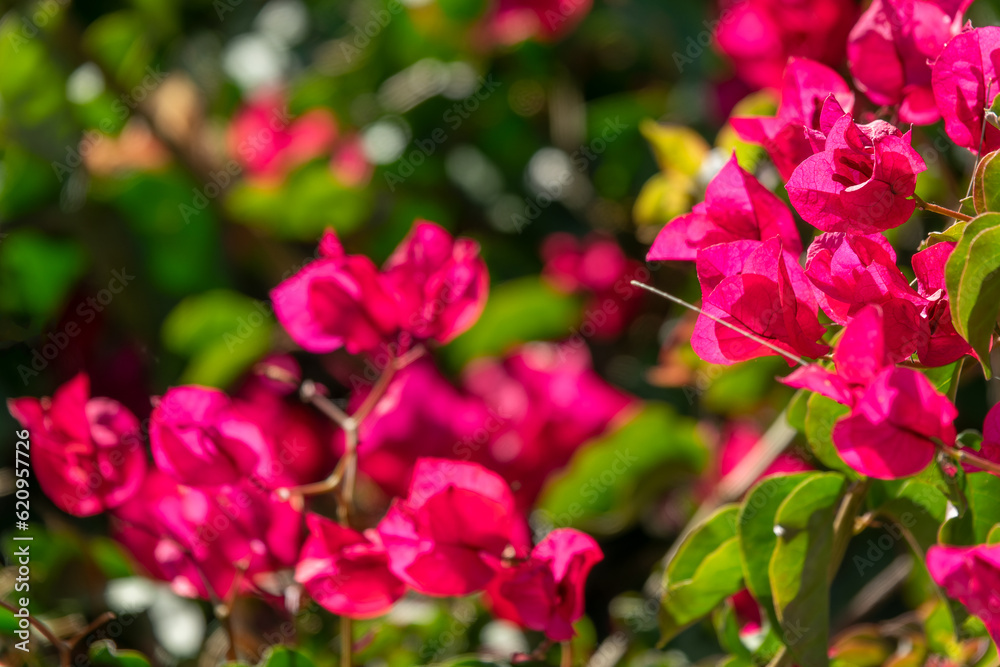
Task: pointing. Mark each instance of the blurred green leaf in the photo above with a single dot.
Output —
(38, 272)
(104, 654)
(285, 656)
(518, 311)
(603, 489)
(222, 332)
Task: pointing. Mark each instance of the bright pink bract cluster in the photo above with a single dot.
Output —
(218, 513)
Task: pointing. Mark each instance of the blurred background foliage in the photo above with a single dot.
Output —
(140, 235)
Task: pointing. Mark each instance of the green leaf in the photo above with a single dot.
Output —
(705, 570)
(976, 522)
(611, 478)
(950, 235)
(986, 184)
(756, 533)
(718, 576)
(518, 311)
(223, 332)
(972, 277)
(822, 414)
(283, 656)
(920, 509)
(800, 566)
(727, 629)
(104, 654)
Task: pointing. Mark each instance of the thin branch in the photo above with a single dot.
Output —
(752, 336)
(934, 208)
(962, 455)
(61, 646)
(346, 641)
(566, 655)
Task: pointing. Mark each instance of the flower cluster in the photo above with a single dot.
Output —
(224, 509)
(853, 181)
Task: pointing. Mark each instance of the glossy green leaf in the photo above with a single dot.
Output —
(972, 276)
(822, 414)
(800, 566)
(986, 184)
(974, 524)
(705, 570)
(756, 532)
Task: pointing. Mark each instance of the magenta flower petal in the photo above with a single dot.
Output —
(545, 592)
(198, 437)
(970, 575)
(346, 572)
(960, 78)
(86, 452)
(892, 430)
(736, 207)
(764, 292)
(445, 538)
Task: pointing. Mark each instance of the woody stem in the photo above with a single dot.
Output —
(961, 455)
(934, 208)
(61, 646)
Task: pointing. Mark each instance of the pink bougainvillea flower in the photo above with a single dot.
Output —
(757, 287)
(86, 451)
(269, 143)
(747, 613)
(861, 182)
(349, 163)
(439, 283)
(850, 271)
(199, 437)
(892, 46)
(418, 400)
(598, 266)
(736, 207)
(813, 96)
(449, 533)
(862, 353)
(513, 21)
(970, 575)
(198, 539)
(759, 36)
(960, 78)
(989, 448)
(345, 571)
(298, 436)
(545, 592)
(894, 427)
(336, 301)
(940, 344)
(543, 402)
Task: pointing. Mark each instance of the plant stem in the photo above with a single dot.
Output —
(961, 455)
(934, 208)
(718, 320)
(61, 646)
(566, 656)
(346, 641)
